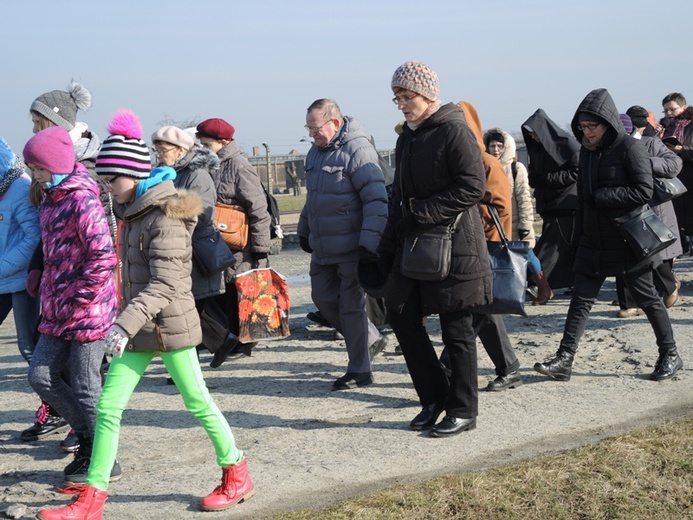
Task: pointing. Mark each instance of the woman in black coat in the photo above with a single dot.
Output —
(439, 178)
(615, 178)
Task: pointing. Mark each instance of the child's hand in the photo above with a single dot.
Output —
(116, 341)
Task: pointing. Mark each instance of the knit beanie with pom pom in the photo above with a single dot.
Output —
(61, 107)
(124, 152)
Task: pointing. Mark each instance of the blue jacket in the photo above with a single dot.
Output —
(346, 204)
(19, 233)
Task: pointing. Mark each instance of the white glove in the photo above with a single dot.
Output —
(116, 341)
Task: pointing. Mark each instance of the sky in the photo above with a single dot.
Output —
(260, 64)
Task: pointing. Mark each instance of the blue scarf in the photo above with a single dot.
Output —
(157, 176)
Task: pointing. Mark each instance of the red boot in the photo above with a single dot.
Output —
(87, 506)
(544, 290)
(235, 487)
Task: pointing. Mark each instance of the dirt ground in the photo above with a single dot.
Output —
(308, 446)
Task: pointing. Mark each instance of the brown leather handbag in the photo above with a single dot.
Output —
(232, 223)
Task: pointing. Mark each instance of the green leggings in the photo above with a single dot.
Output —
(123, 376)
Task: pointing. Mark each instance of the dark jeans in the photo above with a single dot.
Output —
(664, 282)
(460, 393)
(26, 317)
(641, 287)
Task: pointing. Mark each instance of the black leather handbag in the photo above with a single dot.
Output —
(644, 231)
(509, 267)
(667, 189)
(427, 252)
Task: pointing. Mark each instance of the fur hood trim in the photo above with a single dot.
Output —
(184, 205)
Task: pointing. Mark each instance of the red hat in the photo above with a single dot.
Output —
(216, 128)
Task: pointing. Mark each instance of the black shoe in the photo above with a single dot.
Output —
(377, 347)
(71, 443)
(76, 471)
(511, 380)
(666, 367)
(318, 318)
(223, 352)
(352, 380)
(242, 350)
(46, 424)
(558, 368)
(427, 417)
(398, 350)
(452, 426)
(80, 476)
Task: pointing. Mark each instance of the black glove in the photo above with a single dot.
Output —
(523, 233)
(406, 225)
(257, 257)
(303, 241)
(385, 262)
(366, 256)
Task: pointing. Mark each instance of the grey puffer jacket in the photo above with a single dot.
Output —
(238, 184)
(665, 164)
(194, 173)
(156, 250)
(346, 205)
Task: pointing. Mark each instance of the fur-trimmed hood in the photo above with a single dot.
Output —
(175, 203)
(198, 158)
(509, 145)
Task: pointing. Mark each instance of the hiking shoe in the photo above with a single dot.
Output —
(45, 424)
(71, 443)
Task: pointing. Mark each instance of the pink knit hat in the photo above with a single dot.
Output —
(52, 150)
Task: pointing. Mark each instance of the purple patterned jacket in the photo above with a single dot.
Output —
(78, 290)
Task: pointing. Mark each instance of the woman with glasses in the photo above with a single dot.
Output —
(439, 178)
(615, 178)
(194, 166)
(679, 126)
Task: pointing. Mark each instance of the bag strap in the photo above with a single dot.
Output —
(496, 220)
(513, 169)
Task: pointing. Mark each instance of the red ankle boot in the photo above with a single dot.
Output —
(235, 487)
(87, 506)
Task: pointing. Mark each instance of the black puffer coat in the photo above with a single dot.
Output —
(440, 175)
(614, 178)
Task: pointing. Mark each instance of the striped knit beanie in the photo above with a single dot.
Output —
(124, 152)
(61, 107)
(417, 77)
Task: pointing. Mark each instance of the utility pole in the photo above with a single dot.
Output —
(269, 171)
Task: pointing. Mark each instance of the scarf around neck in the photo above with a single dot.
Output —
(432, 109)
(10, 176)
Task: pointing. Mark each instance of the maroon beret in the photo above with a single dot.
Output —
(216, 128)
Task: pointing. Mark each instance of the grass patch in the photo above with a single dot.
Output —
(642, 475)
(288, 203)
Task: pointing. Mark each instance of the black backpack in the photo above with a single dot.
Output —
(273, 210)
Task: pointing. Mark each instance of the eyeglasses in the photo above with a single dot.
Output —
(671, 110)
(398, 100)
(316, 129)
(591, 127)
(108, 183)
(161, 151)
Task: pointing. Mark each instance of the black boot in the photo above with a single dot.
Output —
(76, 471)
(667, 365)
(226, 348)
(558, 368)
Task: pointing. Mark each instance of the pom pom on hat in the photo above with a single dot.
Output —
(52, 150)
(7, 157)
(417, 77)
(216, 128)
(175, 136)
(124, 152)
(61, 107)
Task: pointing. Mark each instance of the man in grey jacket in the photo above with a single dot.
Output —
(340, 225)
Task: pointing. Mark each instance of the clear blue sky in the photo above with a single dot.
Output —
(259, 64)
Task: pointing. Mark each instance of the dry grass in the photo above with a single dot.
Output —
(646, 474)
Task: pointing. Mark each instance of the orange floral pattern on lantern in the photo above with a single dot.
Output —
(263, 305)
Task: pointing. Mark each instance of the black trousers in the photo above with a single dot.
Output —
(664, 282)
(490, 329)
(585, 292)
(460, 392)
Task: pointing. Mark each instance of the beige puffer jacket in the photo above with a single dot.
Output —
(155, 248)
(523, 208)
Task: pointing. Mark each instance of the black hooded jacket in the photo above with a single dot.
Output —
(615, 177)
(552, 166)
